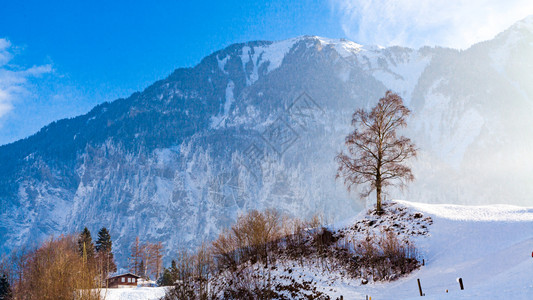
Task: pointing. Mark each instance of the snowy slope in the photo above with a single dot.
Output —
(138, 293)
(490, 247)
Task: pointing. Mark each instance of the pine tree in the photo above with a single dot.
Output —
(5, 289)
(104, 242)
(166, 278)
(142, 273)
(174, 272)
(104, 247)
(86, 246)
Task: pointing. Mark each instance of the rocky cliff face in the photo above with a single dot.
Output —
(258, 125)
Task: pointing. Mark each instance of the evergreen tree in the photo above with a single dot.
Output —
(104, 242)
(5, 289)
(142, 273)
(174, 272)
(104, 252)
(166, 278)
(86, 246)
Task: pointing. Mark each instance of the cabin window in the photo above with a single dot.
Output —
(123, 279)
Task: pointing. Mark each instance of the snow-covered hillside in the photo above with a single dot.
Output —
(489, 247)
(138, 293)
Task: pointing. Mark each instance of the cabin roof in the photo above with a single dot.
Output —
(124, 274)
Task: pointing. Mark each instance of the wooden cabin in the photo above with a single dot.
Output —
(123, 280)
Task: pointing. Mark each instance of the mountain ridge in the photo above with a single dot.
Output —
(176, 161)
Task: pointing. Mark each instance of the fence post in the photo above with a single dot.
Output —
(460, 280)
(419, 287)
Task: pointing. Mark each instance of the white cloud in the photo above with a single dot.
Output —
(15, 80)
(415, 23)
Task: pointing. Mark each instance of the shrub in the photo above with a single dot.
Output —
(239, 263)
(251, 238)
(386, 257)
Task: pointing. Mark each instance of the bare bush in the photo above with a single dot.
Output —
(258, 229)
(386, 257)
(225, 250)
(239, 264)
(193, 275)
(251, 238)
(247, 284)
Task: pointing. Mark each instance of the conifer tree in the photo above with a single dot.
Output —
(174, 271)
(142, 273)
(104, 242)
(5, 289)
(166, 278)
(104, 252)
(86, 246)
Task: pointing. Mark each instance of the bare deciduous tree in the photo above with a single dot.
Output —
(57, 271)
(154, 258)
(146, 258)
(375, 155)
(136, 256)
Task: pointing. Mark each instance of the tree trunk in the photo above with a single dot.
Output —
(378, 198)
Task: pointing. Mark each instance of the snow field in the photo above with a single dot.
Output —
(489, 247)
(138, 293)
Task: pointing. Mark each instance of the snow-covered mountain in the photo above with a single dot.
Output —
(257, 125)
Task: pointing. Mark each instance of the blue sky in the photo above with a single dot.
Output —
(111, 42)
(102, 50)
(60, 58)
